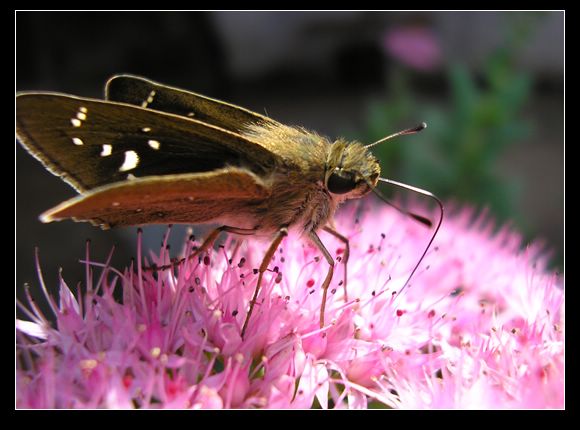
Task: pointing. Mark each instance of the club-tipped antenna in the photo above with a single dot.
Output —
(413, 130)
(421, 219)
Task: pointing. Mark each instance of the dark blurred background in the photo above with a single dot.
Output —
(489, 85)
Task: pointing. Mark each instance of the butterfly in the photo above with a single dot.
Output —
(153, 154)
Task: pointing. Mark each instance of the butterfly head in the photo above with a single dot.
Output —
(351, 170)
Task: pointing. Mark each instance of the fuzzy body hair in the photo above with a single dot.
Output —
(299, 197)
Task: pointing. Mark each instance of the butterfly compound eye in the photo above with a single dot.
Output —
(341, 182)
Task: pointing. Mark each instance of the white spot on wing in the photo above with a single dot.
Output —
(80, 117)
(146, 129)
(131, 161)
(77, 141)
(154, 144)
(107, 150)
(149, 99)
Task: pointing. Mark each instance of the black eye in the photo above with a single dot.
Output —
(341, 182)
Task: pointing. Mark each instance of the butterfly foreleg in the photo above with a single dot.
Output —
(316, 240)
(345, 256)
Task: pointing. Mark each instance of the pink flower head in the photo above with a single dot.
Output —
(416, 47)
(480, 325)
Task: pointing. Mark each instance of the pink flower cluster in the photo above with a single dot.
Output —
(415, 46)
(480, 325)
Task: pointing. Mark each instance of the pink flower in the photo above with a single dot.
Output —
(416, 47)
(480, 325)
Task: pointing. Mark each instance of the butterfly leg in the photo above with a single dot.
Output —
(314, 237)
(346, 254)
(208, 242)
(282, 233)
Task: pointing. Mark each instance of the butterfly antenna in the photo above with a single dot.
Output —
(413, 130)
(423, 220)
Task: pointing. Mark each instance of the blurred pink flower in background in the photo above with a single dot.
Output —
(479, 326)
(416, 47)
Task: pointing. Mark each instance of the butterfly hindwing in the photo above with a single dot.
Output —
(184, 198)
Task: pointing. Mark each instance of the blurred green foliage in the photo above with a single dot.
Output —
(457, 156)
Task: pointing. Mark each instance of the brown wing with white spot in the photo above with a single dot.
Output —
(90, 143)
(153, 95)
(294, 145)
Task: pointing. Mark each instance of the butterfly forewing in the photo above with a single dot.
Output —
(90, 143)
(152, 95)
